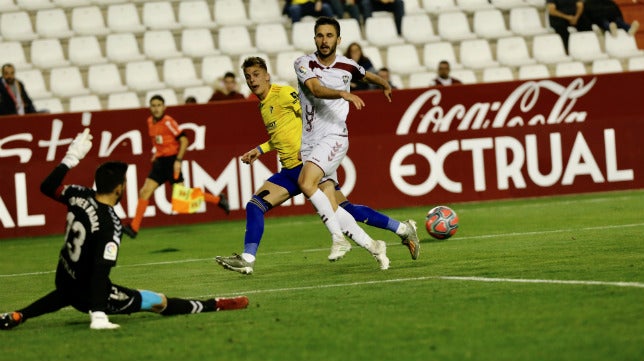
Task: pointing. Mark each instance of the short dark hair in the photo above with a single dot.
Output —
(325, 20)
(157, 97)
(109, 175)
(229, 74)
(7, 65)
(254, 61)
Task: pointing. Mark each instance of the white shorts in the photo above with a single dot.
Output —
(327, 154)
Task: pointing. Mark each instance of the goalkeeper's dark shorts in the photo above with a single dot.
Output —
(163, 170)
(287, 178)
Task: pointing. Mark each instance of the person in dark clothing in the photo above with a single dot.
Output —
(13, 96)
(608, 16)
(565, 13)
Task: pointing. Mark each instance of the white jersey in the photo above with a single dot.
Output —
(321, 117)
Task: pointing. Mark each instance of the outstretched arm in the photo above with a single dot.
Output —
(52, 185)
(322, 92)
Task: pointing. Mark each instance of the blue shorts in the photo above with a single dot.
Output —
(287, 178)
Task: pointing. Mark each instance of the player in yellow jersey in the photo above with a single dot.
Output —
(282, 116)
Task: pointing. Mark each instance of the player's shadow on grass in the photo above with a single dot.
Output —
(166, 250)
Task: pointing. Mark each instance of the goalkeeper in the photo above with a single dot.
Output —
(282, 115)
(91, 249)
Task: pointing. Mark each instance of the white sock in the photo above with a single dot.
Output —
(352, 229)
(248, 257)
(325, 210)
(402, 229)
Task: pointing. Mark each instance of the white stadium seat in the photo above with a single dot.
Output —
(584, 46)
(52, 23)
(17, 26)
(489, 24)
(7, 6)
(434, 53)
(421, 80)
(12, 52)
(230, 12)
(84, 103)
(201, 93)
(373, 53)
(513, 51)
(636, 63)
(302, 36)
(454, 26)
(497, 74)
(266, 11)
(142, 76)
(47, 53)
(127, 100)
(235, 40)
(467, 76)
(272, 38)
(549, 49)
(471, 6)
(214, 67)
(168, 95)
(35, 4)
(604, 66)
(418, 29)
(88, 20)
(71, 3)
(412, 7)
(160, 45)
(507, 5)
(195, 14)
(622, 46)
(403, 59)
(67, 82)
(34, 83)
(476, 54)
(571, 68)
(284, 65)
(122, 48)
(439, 6)
(534, 71)
(180, 73)
(124, 18)
(381, 31)
(50, 105)
(85, 50)
(158, 15)
(526, 21)
(105, 79)
(351, 33)
(197, 43)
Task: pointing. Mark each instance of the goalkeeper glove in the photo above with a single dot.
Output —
(100, 321)
(78, 149)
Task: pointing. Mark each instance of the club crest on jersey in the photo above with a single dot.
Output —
(345, 79)
(110, 252)
(302, 69)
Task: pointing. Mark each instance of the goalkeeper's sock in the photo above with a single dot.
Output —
(138, 217)
(370, 216)
(211, 198)
(180, 306)
(255, 209)
(325, 210)
(352, 229)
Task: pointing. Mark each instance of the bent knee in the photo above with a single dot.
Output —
(152, 301)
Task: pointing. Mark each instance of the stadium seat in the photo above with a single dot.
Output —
(67, 82)
(88, 20)
(636, 63)
(534, 71)
(467, 76)
(201, 93)
(160, 45)
(507, 5)
(604, 66)
(373, 53)
(489, 24)
(526, 21)
(439, 6)
(34, 83)
(584, 46)
(418, 29)
(127, 100)
(124, 18)
(158, 15)
(142, 76)
(476, 54)
(85, 50)
(12, 52)
(302, 36)
(105, 79)
(351, 33)
(84, 103)
(235, 40)
(284, 65)
(266, 11)
(214, 67)
(472, 6)
(412, 7)
(52, 23)
(421, 80)
(454, 26)
(272, 38)
(122, 48)
(197, 43)
(108, 2)
(571, 68)
(47, 53)
(381, 31)
(16, 26)
(434, 53)
(403, 59)
(549, 49)
(497, 74)
(49, 105)
(230, 12)
(168, 95)
(396, 81)
(195, 14)
(32, 5)
(539, 4)
(622, 45)
(7, 6)
(71, 3)
(513, 51)
(180, 73)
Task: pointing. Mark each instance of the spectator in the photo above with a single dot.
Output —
(443, 78)
(565, 13)
(297, 9)
(397, 7)
(230, 90)
(13, 96)
(384, 73)
(607, 15)
(339, 7)
(354, 52)
(191, 100)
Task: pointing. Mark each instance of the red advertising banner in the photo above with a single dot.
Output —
(429, 146)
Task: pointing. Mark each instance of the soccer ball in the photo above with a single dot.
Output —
(441, 222)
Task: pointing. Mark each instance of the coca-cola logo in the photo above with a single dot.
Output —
(516, 110)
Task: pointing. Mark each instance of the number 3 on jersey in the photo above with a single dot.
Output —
(74, 237)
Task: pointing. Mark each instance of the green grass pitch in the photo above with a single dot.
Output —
(558, 278)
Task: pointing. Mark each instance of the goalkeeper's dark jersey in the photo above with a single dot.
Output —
(92, 240)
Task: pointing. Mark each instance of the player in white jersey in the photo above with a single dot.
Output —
(324, 81)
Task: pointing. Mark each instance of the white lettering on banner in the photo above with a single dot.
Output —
(200, 135)
(478, 116)
(22, 209)
(581, 161)
(54, 140)
(105, 149)
(24, 154)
